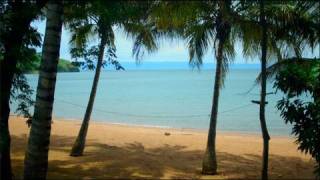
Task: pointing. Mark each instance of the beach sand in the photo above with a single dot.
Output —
(121, 151)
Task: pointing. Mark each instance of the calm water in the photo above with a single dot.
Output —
(166, 98)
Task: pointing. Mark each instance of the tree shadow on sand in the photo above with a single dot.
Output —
(102, 161)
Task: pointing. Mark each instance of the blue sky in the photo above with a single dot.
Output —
(169, 51)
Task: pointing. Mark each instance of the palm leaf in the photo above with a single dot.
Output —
(199, 37)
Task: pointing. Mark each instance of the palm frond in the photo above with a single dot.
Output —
(145, 37)
(81, 35)
(199, 38)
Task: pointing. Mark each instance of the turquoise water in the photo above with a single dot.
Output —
(167, 98)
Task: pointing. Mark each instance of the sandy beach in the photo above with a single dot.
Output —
(122, 151)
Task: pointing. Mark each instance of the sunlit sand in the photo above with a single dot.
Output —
(121, 151)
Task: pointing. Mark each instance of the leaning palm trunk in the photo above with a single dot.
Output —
(263, 124)
(209, 164)
(79, 145)
(36, 159)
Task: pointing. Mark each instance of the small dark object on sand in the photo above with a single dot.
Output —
(167, 134)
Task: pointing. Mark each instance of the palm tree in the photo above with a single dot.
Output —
(223, 28)
(268, 36)
(202, 24)
(295, 37)
(211, 26)
(78, 147)
(96, 18)
(36, 158)
(100, 17)
(253, 33)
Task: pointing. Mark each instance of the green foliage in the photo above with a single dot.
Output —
(296, 81)
(67, 66)
(33, 65)
(202, 24)
(91, 55)
(13, 20)
(21, 93)
(97, 19)
(89, 21)
(275, 68)
(145, 36)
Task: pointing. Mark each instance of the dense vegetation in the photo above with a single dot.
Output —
(295, 81)
(275, 32)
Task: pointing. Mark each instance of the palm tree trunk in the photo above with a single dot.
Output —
(209, 164)
(36, 158)
(265, 134)
(79, 145)
(297, 50)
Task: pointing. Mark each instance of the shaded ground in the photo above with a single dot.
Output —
(133, 160)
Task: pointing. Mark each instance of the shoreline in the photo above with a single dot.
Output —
(196, 130)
